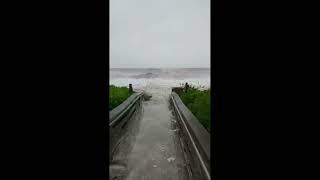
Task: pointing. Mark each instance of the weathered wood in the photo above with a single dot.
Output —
(117, 111)
(119, 117)
(196, 136)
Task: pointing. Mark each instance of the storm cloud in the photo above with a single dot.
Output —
(159, 33)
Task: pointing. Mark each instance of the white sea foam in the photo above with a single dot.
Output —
(142, 78)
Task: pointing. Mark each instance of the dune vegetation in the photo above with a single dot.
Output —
(117, 95)
(198, 102)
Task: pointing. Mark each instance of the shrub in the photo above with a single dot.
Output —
(198, 102)
(117, 95)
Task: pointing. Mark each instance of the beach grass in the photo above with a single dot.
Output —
(117, 95)
(198, 102)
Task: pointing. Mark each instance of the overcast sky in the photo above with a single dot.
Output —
(159, 33)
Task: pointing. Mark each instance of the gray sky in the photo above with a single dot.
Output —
(159, 33)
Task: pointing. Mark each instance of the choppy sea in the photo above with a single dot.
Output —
(166, 78)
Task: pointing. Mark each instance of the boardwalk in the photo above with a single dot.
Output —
(150, 149)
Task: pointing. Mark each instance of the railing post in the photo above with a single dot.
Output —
(186, 87)
(130, 88)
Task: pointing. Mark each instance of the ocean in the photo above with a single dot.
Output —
(141, 78)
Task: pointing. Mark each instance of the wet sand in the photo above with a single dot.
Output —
(151, 149)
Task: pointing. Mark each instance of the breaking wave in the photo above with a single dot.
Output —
(141, 78)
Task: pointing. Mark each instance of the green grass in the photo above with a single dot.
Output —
(198, 102)
(117, 95)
